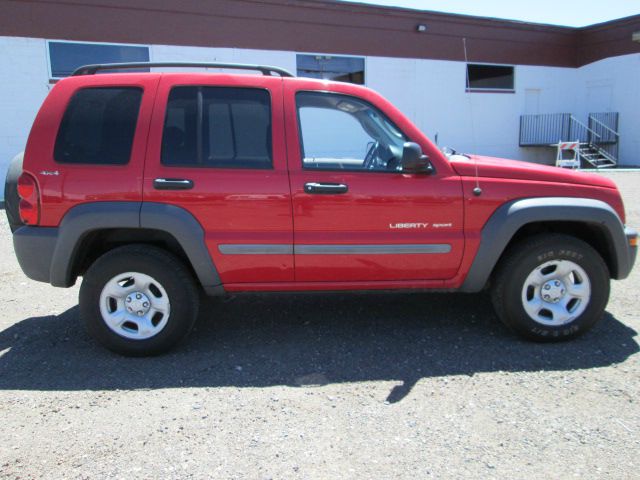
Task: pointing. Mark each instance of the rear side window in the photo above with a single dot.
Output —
(98, 126)
(217, 127)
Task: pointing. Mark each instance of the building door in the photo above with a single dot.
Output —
(599, 97)
(532, 101)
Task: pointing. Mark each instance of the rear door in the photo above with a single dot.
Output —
(216, 149)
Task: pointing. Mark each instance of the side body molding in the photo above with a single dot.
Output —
(176, 221)
(511, 216)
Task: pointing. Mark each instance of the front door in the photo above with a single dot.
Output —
(357, 216)
(216, 149)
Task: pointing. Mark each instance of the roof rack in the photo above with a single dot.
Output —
(265, 69)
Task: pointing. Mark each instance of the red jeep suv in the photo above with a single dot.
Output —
(156, 186)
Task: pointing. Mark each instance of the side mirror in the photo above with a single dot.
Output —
(413, 160)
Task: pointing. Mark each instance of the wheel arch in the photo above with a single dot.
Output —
(90, 230)
(96, 243)
(592, 221)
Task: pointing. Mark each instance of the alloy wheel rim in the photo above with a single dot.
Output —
(135, 305)
(556, 292)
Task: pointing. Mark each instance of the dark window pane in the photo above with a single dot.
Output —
(179, 139)
(66, 57)
(98, 126)
(342, 69)
(490, 77)
(234, 130)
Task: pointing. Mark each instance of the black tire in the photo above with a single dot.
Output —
(163, 267)
(508, 294)
(11, 199)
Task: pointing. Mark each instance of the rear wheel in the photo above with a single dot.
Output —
(138, 300)
(551, 287)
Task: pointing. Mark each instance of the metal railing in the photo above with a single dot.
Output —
(545, 129)
(548, 129)
(606, 126)
(581, 132)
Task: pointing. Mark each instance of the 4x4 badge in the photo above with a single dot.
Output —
(49, 172)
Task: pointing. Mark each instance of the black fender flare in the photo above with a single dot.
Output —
(513, 215)
(11, 199)
(88, 217)
(184, 227)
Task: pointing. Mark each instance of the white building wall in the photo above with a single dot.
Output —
(613, 85)
(24, 84)
(430, 92)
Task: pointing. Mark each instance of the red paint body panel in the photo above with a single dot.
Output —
(497, 191)
(335, 286)
(375, 201)
(547, 181)
(518, 170)
(76, 184)
(234, 206)
(247, 206)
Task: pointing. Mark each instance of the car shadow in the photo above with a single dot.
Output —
(303, 340)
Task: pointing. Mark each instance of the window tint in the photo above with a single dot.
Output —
(489, 77)
(98, 126)
(65, 57)
(339, 132)
(217, 127)
(341, 69)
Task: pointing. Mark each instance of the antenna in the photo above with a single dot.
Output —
(477, 191)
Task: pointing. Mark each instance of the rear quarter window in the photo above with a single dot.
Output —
(98, 126)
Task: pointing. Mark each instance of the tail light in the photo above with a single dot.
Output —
(29, 206)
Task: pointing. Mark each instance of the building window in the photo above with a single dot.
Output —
(65, 57)
(98, 126)
(341, 69)
(490, 78)
(219, 127)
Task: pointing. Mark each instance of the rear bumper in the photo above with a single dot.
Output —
(35, 247)
(632, 250)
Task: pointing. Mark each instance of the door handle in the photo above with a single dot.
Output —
(325, 188)
(172, 184)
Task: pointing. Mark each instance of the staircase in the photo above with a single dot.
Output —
(597, 142)
(596, 156)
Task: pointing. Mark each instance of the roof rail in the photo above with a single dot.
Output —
(265, 69)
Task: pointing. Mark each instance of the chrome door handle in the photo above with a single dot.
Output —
(325, 188)
(172, 184)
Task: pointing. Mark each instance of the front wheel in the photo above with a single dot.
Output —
(551, 287)
(138, 300)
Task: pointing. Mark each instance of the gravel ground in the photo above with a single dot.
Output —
(319, 386)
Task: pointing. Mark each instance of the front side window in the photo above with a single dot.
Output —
(217, 127)
(98, 126)
(339, 132)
